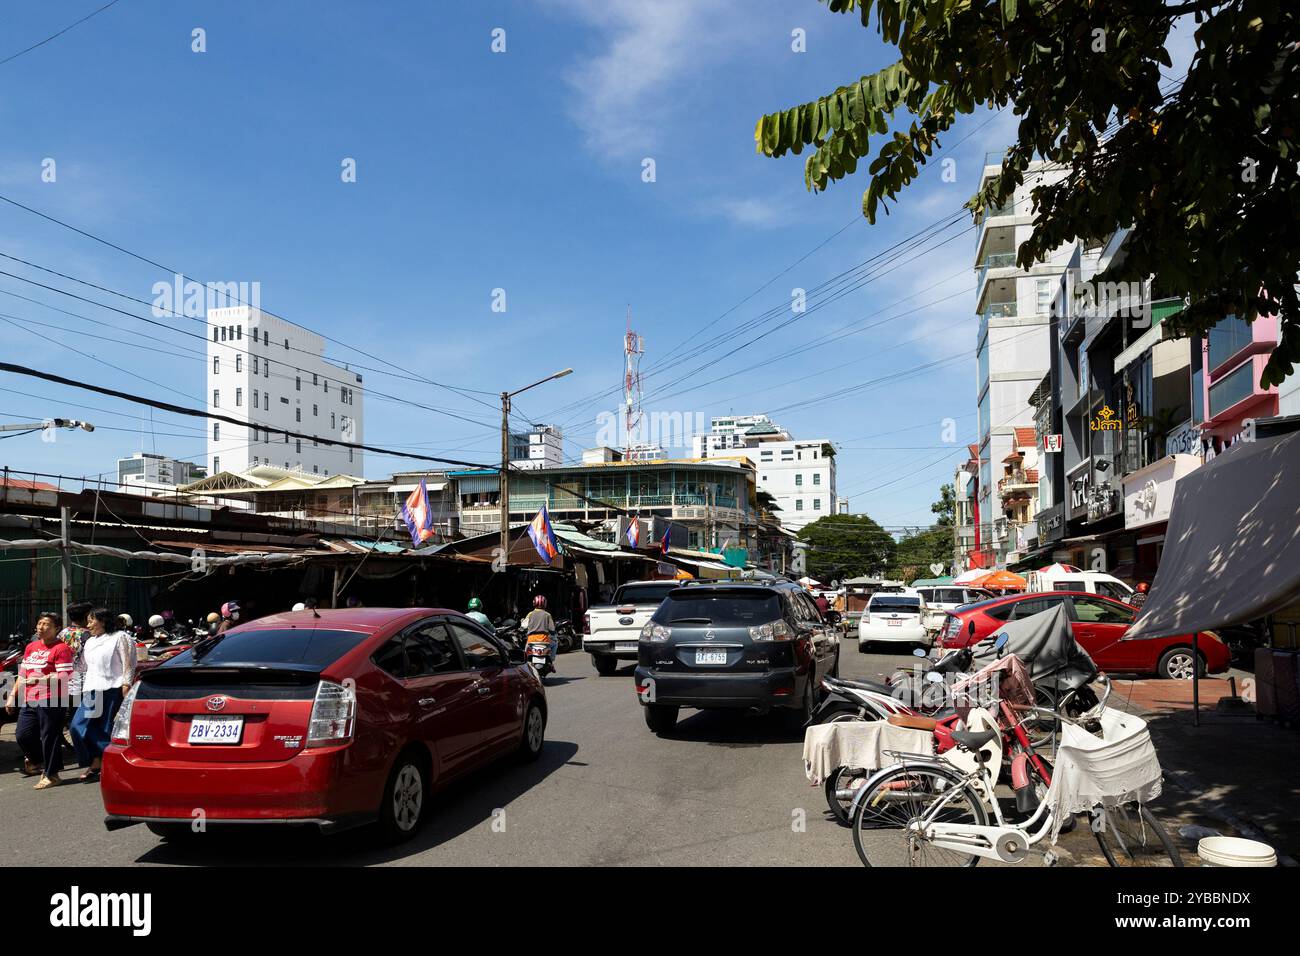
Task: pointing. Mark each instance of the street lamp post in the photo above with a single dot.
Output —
(504, 480)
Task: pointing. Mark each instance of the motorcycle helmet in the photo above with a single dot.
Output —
(231, 610)
(539, 601)
(475, 604)
(124, 621)
(1143, 587)
(156, 620)
(214, 617)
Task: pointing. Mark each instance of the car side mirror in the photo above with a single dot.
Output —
(970, 628)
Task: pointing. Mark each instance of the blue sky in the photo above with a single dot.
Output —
(477, 170)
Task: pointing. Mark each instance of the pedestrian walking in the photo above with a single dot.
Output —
(1139, 597)
(109, 657)
(40, 699)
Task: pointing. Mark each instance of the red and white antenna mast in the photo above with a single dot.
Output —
(633, 349)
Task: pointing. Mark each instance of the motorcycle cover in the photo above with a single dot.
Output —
(1045, 644)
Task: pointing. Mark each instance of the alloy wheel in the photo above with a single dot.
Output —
(408, 798)
(535, 729)
(1181, 666)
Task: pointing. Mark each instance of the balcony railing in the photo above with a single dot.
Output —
(994, 260)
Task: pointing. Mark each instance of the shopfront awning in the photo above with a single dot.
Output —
(429, 486)
(1232, 548)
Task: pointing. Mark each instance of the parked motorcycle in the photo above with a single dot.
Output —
(569, 639)
(507, 628)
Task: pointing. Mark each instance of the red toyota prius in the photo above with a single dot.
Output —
(331, 718)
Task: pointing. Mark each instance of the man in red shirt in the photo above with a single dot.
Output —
(39, 696)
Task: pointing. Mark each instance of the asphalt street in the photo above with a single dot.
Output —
(725, 790)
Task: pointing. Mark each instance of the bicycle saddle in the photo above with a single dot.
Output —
(859, 685)
(913, 721)
(973, 740)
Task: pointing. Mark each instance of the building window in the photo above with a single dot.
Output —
(327, 391)
(216, 365)
(817, 478)
(297, 383)
(239, 332)
(817, 504)
(332, 425)
(254, 364)
(1043, 296)
(216, 466)
(798, 504)
(266, 369)
(216, 432)
(316, 381)
(239, 398)
(297, 414)
(314, 414)
(297, 447)
(1232, 388)
(239, 363)
(214, 333)
(350, 460)
(266, 340)
(316, 470)
(1228, 337)
(798, 481)
(256, 403)
(216, 398)
(223, 333)
(286, 345)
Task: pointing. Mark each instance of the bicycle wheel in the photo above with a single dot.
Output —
(902, 795)
(1130, 835)
(844, 779)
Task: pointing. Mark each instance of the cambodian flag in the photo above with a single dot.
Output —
(668, 530)
(418, 515)
(543, 537)
(634, 532)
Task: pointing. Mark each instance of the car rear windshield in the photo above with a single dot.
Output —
(303, 647)
(644, 593)
(900, 605)
(720, 607)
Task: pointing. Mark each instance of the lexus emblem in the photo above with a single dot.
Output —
(708, 634)
(216, 703)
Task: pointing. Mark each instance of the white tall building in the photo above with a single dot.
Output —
(540, 447)
(155, 475)
(1013, 344)
(800, 475)
(273, 374)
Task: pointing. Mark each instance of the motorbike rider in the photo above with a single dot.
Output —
(475, 613)
(539, 621)
(229, 616)
(1139, 597)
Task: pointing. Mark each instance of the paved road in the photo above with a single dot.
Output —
(727, 789)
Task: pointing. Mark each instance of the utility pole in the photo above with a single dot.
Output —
(65, 538)
(504, 484)
(504, 477)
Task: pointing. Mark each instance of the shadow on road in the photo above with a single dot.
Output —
(736, 728)
(464, 805)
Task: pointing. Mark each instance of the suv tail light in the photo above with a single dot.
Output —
(776, 631)
(122, 722)
(333, 714)
(655, 632)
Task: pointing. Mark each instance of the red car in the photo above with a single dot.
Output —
(331, 718)
(1099, 625)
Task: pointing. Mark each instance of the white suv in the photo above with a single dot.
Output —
(893, 619)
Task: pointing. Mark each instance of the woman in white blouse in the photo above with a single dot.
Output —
(108, 660)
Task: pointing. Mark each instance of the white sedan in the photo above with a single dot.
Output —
(893, 619)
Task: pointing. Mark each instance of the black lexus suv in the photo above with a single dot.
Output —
(729, 645)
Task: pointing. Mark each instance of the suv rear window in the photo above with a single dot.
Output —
(899, 605)
(719, 607)
(312, 648)
(644, 593)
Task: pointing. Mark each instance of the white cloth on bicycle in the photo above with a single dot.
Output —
(1118, 767)
(858, 743)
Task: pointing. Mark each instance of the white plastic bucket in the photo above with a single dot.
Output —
(1234, 851)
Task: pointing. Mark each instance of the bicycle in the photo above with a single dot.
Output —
(943, 812)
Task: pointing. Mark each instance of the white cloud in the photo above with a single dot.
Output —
(624, 94)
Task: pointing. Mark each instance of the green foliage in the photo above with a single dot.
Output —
(946, 506)
(846, 546)
(917, 552)
(1204, 175)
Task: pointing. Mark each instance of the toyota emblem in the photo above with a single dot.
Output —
(216, 703)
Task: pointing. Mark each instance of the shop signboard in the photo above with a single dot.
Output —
(1149, 491)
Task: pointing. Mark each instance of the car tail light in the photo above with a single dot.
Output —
(333, 714)
(655, 632)
(586, 623)
(122, 722)
(776, 631)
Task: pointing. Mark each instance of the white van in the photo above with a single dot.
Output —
(1093, 582)
(942, 598)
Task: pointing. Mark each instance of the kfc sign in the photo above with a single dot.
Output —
(1053, 443)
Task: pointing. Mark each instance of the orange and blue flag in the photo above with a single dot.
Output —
(663, 545)
(634, 532)
(543, 537)
(418, 515)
